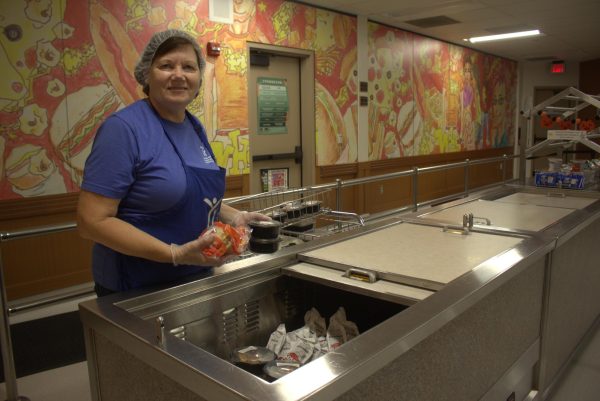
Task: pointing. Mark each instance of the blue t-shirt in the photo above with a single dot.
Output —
(142, 168)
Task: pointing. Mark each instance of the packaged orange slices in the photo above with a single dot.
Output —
(228, 240)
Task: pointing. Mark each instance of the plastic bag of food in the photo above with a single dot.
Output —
(336, 333)
(315, 321)
(351, 330)
(343, 329)
(228, 240)
(277, 339)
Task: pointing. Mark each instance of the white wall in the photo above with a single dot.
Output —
(537, 74)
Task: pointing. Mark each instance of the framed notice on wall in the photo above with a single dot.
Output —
(273, 179)
(273, 105)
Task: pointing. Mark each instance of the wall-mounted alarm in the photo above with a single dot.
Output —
(213, 49)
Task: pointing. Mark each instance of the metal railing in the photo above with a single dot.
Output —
(337, 186)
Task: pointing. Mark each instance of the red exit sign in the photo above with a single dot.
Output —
(558, 67)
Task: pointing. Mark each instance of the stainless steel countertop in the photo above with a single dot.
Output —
(127, 318)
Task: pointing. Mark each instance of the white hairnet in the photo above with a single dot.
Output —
(143, 66)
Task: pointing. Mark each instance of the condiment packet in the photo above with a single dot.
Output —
(321, 348)
(277, 339)
(306, 333)
(277, 369)
(296, 349)
(333, 342)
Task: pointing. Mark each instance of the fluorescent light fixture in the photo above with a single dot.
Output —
(503, 36)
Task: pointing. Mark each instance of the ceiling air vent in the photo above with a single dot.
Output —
(432, 22)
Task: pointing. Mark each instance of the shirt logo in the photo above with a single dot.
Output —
(214, 205)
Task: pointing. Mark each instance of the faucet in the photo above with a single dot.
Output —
(488, 222)
(467, 222)
(160, 330)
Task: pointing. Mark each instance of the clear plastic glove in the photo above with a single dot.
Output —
(190, 253)
(243, 218)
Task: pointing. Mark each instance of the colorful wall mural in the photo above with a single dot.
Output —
(67, 64)
(429, 97)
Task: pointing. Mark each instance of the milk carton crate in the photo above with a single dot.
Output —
(556, 179)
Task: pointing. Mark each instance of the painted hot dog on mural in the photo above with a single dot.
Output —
(116, 52)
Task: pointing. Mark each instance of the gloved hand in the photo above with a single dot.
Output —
(243, 218)
(190, 253)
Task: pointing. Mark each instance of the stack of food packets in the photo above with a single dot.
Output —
(309, 342)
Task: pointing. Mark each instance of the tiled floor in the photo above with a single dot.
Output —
(581, 381)
(69, 383)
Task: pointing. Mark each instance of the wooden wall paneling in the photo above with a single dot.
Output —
(351, 199)
(351, 196)
(394, 193)
(490, 173)
(237, 185)
(455, 182)
(48, 262)
(484, 174)
(40, 264)
(362, 198)
(431, 185)
(22, 209)
(387, 194)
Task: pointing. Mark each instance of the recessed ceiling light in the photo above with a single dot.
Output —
(503, 36)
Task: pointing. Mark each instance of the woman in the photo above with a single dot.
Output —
(151, 184)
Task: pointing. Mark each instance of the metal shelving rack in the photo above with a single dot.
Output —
(560, 138)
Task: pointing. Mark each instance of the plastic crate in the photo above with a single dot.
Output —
(555, 179)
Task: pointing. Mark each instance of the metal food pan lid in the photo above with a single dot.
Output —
(264, 223)
(413, 254)
(513, 216)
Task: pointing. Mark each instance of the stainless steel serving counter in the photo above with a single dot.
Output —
(445, 301)
(572, 293)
